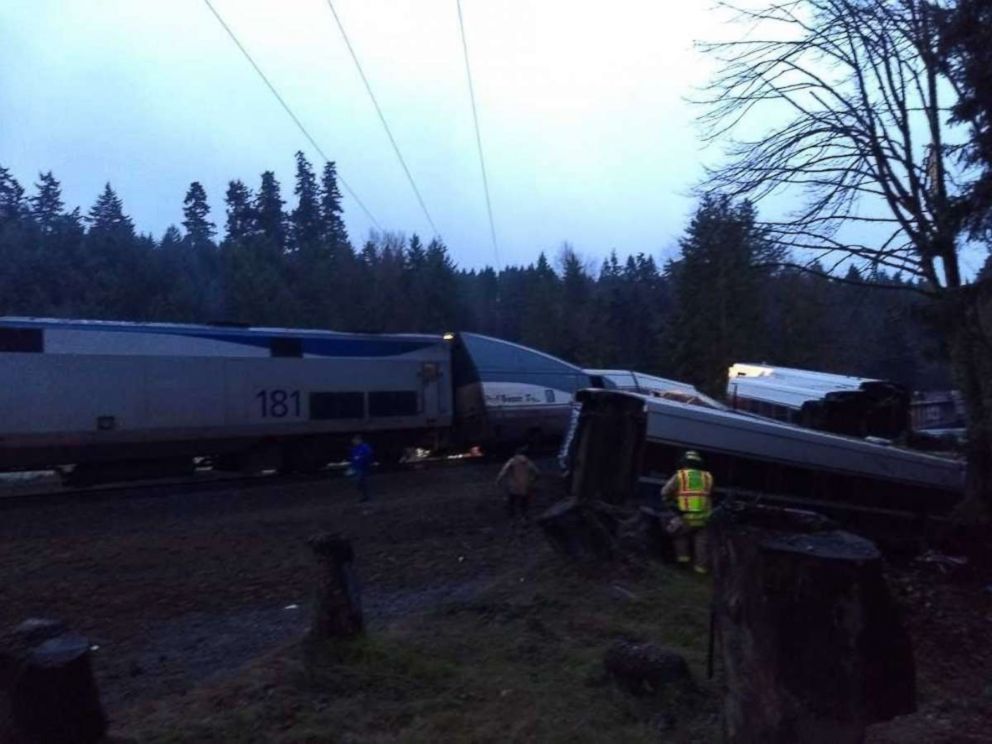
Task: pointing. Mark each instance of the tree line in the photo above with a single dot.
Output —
(726, 296)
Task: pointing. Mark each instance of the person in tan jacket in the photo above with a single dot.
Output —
(519, 474)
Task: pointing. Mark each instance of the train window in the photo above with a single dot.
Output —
(393, 403)
(324, 406)
(596, 381)
(281, 346)
(22, 339)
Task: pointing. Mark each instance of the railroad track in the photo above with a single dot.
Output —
(896, 526)
(204, 480)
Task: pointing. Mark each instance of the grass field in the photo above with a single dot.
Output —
(520, 662)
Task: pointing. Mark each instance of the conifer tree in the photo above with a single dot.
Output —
(332, 226)
(719, 286)
(268, 211)
(199, 229)
(47, 205)
(576, 314)
(240, 212)
(443, 305)
(12, 205)
(306, 218)
(107, 214)
(541, 306)
(416, 256)
(172, 238)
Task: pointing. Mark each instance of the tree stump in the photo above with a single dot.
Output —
(48, 691)
(812, 646)
(645, 669)
(337, 597)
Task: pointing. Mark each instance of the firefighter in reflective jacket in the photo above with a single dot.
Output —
(689, 489)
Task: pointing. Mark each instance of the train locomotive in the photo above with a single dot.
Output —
(107, 400)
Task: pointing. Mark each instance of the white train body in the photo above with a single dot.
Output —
(780, 392)
(72, 390)
(76, 392)
(820, 400)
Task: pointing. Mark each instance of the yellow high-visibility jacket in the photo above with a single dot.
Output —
(691, 491)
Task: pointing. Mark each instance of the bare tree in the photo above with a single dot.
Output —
(852, 109)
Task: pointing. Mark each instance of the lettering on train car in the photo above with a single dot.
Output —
(494, 398)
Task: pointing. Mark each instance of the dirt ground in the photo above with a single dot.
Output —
(947, 607)
(180, 591)
(172, 588)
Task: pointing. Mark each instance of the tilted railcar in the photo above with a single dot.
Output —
(645, 384)
(758, 455)
(819, 400)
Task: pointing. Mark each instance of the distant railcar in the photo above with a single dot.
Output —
(841, 404)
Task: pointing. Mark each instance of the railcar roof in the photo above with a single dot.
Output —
(795, 376)
(226, 328)
(500, 344)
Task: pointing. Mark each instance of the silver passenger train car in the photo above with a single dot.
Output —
(761, 456)
(96, 394)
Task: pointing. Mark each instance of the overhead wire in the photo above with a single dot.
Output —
(478, 135)
(382, 117)
(288, 110)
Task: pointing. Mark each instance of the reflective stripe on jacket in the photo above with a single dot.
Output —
(693, 498)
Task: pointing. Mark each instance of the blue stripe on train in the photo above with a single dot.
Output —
(330, 347)
(316, 343)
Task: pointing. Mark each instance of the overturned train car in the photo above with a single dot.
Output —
(625, 438)
(840, 404)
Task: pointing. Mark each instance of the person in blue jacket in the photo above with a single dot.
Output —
(360, 463)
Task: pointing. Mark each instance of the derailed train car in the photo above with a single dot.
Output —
(818, 400)
(761, 456)
(507, 393)
(143, 397)
(645, 384)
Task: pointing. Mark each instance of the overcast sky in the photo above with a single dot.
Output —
(586, 132)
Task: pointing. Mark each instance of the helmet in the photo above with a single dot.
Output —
(691, 457)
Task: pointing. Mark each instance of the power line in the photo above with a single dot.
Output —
(289, 111)
(478, 135)
(382, 117)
